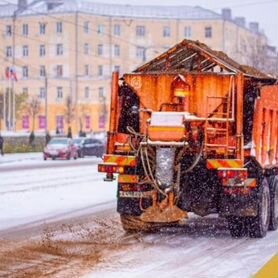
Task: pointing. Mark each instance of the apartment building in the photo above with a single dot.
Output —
(63, 53)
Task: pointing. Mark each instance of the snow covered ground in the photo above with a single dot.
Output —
(96, 244)
(32, 195)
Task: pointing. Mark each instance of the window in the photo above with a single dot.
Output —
(42, 28)
(25, 122)
(8, 30)
(101, 121)
(42, 71)
(42, 92)
(117, 68)
(141, 53)
(117, 29)
(100, 49)
(166, 31)
(100, 29)
(101, 93)
(25, 72)
(42, 122)
(60, 122)
(42, 50)
(87, 92)
(9, 51)
(140, 31)
(59, 92)
(117, 51)
(208, 32)
(86, 48)
(59, 27)
(87, 121)
(25, 29)
(25, 91)
(187, 32)
(86, 27)
(25, 51)
(59, 71)
(100, 70)
(59, 49)
(86, 70)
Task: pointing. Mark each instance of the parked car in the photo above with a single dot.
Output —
(89, 146)
(60, 148)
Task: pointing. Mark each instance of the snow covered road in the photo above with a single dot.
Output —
(62, 222)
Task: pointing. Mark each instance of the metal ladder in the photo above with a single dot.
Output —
(219, 118)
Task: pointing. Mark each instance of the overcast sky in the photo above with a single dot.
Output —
(263, 11)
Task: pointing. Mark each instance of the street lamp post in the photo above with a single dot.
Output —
(46, 103)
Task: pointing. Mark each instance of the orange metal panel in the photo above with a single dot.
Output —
(213, 164)
(276, 139)
(265, 136)
(239, 116)
(155, 89)
(257, 129)
(166, 133)
(265, 129)
(272, 137)
(120, 160)
(113, 112)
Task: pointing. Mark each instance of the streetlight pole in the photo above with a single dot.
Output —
(13, 121)
(46, 102)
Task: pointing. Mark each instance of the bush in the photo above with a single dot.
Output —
(20, 144)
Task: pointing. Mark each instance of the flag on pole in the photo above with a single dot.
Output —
(7, 73)
(11, 73)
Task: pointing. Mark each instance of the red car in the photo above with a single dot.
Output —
(60, 148)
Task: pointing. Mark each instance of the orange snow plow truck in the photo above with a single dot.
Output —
(194, 131)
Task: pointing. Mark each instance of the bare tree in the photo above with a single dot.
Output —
(83, 111)
(33, 109)
(20, 104)
(69, 111)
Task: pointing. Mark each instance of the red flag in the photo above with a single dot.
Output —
(13, 74)
(7, 73)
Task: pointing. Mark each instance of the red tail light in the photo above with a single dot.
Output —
(232, 176)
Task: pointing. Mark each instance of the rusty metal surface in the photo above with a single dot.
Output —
(193, 56)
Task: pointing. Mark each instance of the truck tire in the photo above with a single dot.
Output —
(134, 224)
(273, 223)
(258, 225)
(237, 226)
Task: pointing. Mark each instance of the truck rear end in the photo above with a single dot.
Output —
(193, 132)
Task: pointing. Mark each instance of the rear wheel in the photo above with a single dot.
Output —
(273, 223)
(237, 226)
(258, 225)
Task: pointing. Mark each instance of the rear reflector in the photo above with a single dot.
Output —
(128, 179)
(108, 168)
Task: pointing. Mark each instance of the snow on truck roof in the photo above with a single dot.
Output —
(193, 56)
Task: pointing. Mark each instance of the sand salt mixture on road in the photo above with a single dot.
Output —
(61, 250)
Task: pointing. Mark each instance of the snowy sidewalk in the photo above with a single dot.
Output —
(19, 158)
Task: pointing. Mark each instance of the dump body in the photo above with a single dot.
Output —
(202, 141)
(265, 129)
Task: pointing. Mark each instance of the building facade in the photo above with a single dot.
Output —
(63, 53)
